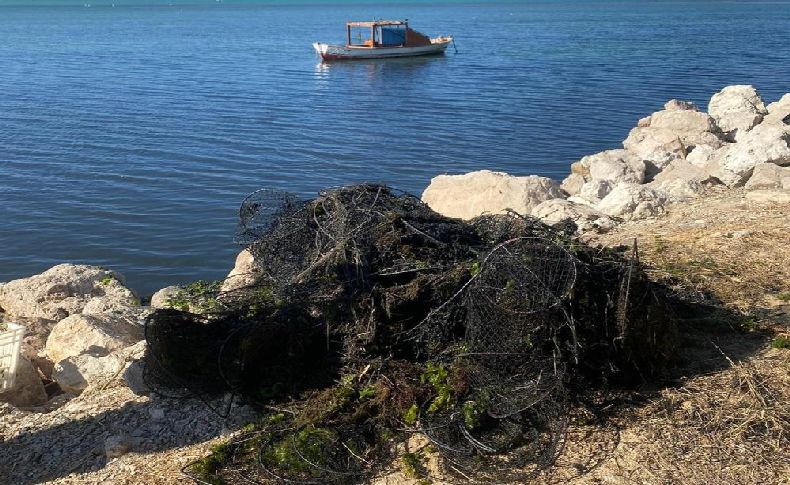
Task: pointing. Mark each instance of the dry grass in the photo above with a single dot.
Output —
(728, 419)
(730, 427)
(725, 245)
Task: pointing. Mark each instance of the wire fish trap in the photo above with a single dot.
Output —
(372, 317)
(10, 345)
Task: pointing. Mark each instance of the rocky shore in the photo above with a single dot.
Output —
(671, 156)
(689, 185)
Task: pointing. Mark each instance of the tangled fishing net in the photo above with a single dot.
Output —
(369, 319)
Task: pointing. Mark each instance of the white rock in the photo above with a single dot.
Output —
(692, 127)
(679, 189)
(595, 190)
(77, 373)
(766, 143)
(615, 166)
(778, 111)
(133, 373)
(672, 134)
(28, 389)
(68, 376)
(580, 200)
(737, 108)
(74, 374)
(104, 304)
(470, 195)
(573, 183)
(63, 290)
(678, 105)
(701, 155)
(681, 169)
(244, 273)
(769, 176)
(161, 299)
(682, 180)
(656, 146)
(79, 334)
(604, 169)
(631, 201)
(585, 217)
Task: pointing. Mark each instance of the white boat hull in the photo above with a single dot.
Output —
(331, 52)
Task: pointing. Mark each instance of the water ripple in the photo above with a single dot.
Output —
(129, 135)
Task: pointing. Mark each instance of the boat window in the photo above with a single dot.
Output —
(360, 36)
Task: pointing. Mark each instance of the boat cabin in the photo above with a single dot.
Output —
(384, 33)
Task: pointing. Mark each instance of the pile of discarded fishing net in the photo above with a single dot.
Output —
(372, 319)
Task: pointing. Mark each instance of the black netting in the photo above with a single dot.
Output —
(367, 317)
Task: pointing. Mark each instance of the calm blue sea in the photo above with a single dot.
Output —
(129, 134)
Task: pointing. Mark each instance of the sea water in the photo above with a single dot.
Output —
(129, 134)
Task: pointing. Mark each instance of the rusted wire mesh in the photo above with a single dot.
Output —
(368, 317)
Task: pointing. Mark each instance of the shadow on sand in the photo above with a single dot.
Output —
(78, 446)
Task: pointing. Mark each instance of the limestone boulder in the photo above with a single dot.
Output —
(678, 190)
(682, 169)
(592, 177)
(615, 166)
(163, 297)
(245, 273)
(485, 192)
(678, 105)
(28, 389)
(682, 180)
(197, 297)
(671, 105)
(631, 201)
(574, 182)
(132, 374)
(701, 155)
(97, 334)
(737, 108)
(778, 111)
(692, 127)
(655, 146)
(75, 374)
(64, 290)
(769, 176)
(672, 134)
(593, 191)
(586, 218)
(766, 143)
(104, 304)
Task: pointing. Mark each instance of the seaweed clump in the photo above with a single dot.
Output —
(370, 318)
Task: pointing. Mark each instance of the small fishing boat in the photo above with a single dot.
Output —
(382, 39)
